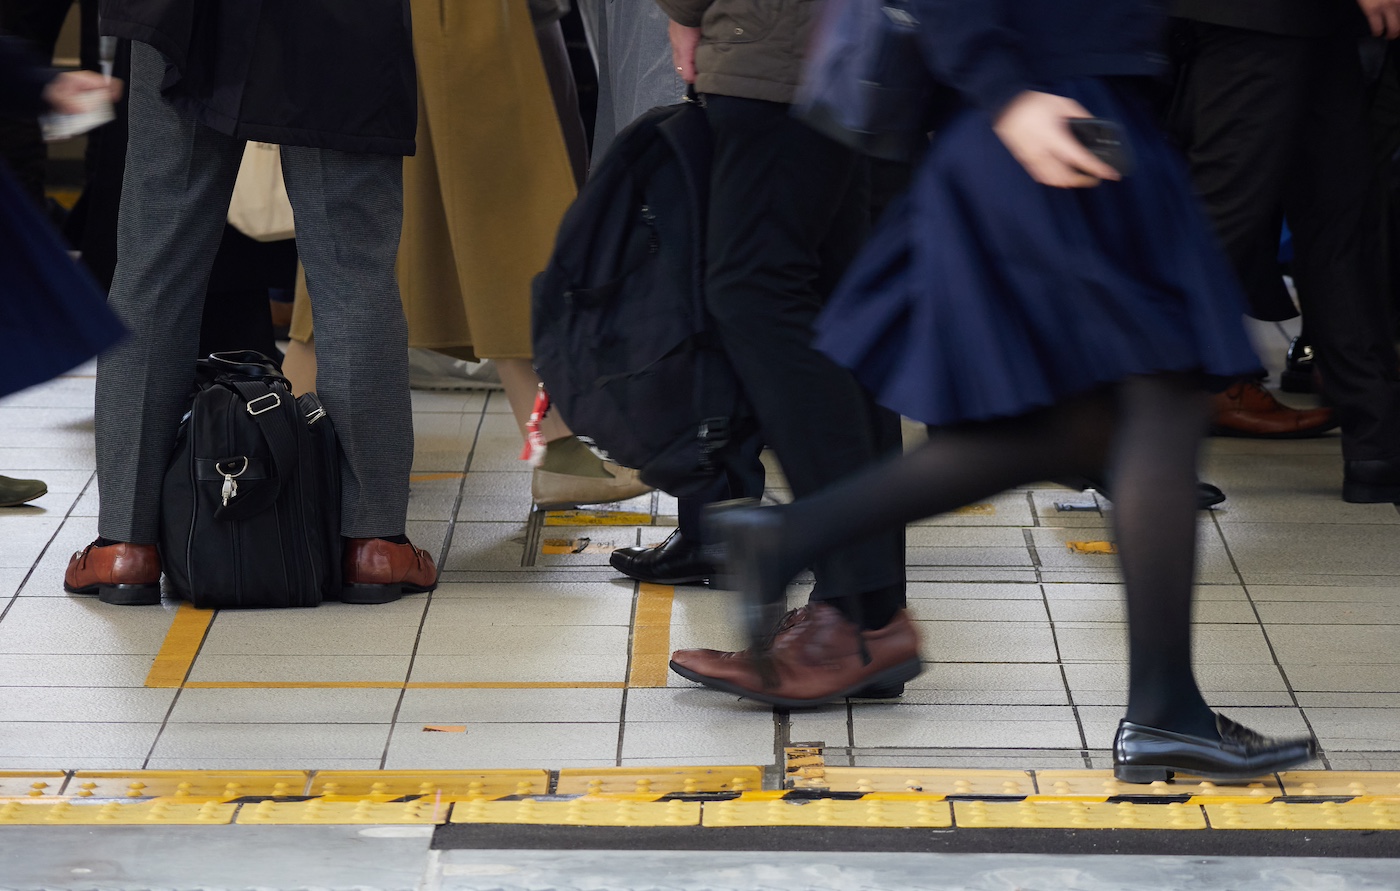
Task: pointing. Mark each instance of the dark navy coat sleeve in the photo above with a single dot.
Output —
(974, 47)
(22, 79)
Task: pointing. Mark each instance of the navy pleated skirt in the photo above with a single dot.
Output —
(53, 317)
(984, 294)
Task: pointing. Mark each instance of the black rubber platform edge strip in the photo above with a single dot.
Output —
(1206, 842)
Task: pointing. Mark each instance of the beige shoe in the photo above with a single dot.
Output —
(556, 491)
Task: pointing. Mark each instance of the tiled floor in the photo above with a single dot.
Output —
(530, 653)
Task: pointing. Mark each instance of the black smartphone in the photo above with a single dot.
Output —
(1106, 140)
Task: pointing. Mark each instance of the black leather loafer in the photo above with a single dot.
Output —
(1207, 495)
(1148, 755)
(676, 561)
(1372, 482)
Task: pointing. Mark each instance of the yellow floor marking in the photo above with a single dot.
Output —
(1377, 784)
(977, 510)
(1101, 784)
(31, 784)
(1361, 814)
(1092, 547)
(805, 766)
(201, 784)
(115, 813)
(930, 782)
(766, 809)
(585, 811)
(449, 785)
(182, 642)
(596, 518)
(651, 636)
(1076, 815)
(431, 477)
(318, 811)
(400, 685)
(658, 780)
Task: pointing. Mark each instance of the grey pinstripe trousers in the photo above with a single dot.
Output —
(176, 190)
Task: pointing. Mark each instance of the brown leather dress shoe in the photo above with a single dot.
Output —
(120, 574)
(817, 656)
(379, 571)
(1248, 409)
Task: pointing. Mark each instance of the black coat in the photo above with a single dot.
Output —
(1296, 18)
(335, 74)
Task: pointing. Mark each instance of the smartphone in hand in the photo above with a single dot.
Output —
(1106, 140)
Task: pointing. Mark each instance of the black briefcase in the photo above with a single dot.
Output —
(250, 512)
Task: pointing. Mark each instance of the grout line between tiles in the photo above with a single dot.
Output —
(1268, 641)
(92, 480)
(428, 601)
(1064, 675)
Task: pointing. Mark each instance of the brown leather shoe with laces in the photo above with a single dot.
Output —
(379, 571)
(1248, 409)
(120, 574)
(817, 656)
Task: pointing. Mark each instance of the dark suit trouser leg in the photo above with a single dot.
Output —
(175, 195)
(787, 211)
(349, 211)
(1273, 125)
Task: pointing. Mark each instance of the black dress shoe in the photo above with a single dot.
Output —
(1207, 496)
(1299, 369)
(676, 561)
(1372, 482)
(1148, 755)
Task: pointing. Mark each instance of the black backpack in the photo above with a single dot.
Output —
(622, 340)
(250, 513)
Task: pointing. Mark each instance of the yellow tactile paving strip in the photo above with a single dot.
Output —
(701, 796)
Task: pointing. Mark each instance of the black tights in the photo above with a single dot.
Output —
(1144, 433)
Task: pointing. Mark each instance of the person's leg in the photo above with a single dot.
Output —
(780, 192)
(1334, 214)
(349, 209)
(1155, 450)
(175, 193)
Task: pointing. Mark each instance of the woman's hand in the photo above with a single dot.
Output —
(1034, 126)
(65, 94)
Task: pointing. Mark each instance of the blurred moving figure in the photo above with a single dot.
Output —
(633, 52)
(1045, 315)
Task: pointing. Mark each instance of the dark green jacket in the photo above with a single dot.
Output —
(749, 48)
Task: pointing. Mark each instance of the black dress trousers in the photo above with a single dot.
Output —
(1274, 127)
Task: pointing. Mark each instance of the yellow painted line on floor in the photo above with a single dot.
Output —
(760, 810)
(447, 785)
(317, 811)
(116, 813)
(584, 811)
(596, 518)
(432, 477)
(1092, 547)
(182, 642)
(651, 636)
(185, 784)
(1076, 815)
(400, 685)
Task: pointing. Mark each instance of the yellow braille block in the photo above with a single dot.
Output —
(164, 812)
(659, 780)
(588, 810)
(1076, 815)
(1336, 783)
(448, 785)
(324, 811)
(805, 766)
(193, 784)
(38, 784)
(1100, 784)
(940, 782)
(887, 811)
(1367, 813)
(596, 518)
